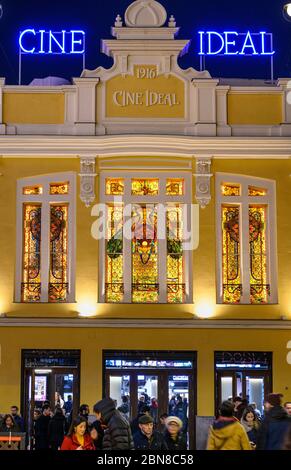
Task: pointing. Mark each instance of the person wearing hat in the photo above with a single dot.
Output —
(274, 425)
(174, 438)
(146, 438)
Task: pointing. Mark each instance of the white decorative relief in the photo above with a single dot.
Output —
(87, 176)
(203, 176)
(145, 13)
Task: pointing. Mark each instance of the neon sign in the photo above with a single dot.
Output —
(52, 42)
(232, 43)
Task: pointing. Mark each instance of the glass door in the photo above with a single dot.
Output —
(118, 387)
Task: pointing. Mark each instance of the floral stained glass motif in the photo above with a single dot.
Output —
(59, 188)
(175, 187)
(259, 287)
(114, 287)
(145, 187)
(257, 192)
(114, 186)
(31, 279)
(145, 287)
(58, 273)
(232, 283)
(230, 189)
(175, 259)
(32, 190)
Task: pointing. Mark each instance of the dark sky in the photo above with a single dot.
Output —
(96, 17)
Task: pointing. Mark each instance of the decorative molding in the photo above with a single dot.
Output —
(140, 323)
(145, 13)
(203, 175)
(87, 175)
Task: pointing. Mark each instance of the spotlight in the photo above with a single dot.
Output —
(287, 11)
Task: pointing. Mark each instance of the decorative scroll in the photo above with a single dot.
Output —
(87, 176)
(260, 289)
(32, 190)
(257, 192)
(31, 279)
(203, 176)
(230, 189)
(59, 188)
(145, 287)
(175, 187)
(145, 187)
(232, 285)
(175, 259)
(114, 288)
(114, 186)
(58, 274)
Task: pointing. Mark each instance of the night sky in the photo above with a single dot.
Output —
(96, 17)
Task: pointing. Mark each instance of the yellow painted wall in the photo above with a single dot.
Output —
(33, 108)
(254, 108)
(93, 341)
(204, 258)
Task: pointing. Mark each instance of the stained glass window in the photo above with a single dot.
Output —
(145, 284)
(230, 189)
(58, 278)
(114, 288)
(32, 190)
(175, 187)
(31, 278)
(175, 258)
(59, 188)
(114, 187)
(259, 288)
(257, 192)
(145, 187)
(232, 283)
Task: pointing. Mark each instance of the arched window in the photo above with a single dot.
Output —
(45, 262)
(143, 259)
(246, 240)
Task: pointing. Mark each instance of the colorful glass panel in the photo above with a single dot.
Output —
(145, 187)
(31, 279)
(59, 188)
(114, 187)
(175, 261)
(257, 192)
(175, 187)
(32, 190)
(232, 286)
(260, 289)
(230, 189)
(145, 287)
(114, 288)
(58, 274)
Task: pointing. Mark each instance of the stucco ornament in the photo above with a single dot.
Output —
(145, 14)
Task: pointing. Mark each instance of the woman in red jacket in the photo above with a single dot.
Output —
(78, 437)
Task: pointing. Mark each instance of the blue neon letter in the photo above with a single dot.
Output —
(248, 38)
(27, 51)
(77, 41)
(210, 34)
(201, 33)
(61, 46)
(41, 50)
(229, 43)
(263, 34)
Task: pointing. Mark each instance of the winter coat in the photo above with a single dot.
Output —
(156, 442)
(98, 426)
(227, 434)
(72, 443)
(41, 432)
(56, 431)
(273, 429)
(179, 444)
(117, 435)
(252, 431)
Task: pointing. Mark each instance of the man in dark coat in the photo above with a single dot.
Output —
(274, 426)
(41, 429)
(146, 438)
(117, 435)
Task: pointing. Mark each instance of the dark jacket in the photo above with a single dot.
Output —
(156, 442)
(56, 431)
(19, 421)
(273, 429)
(179, 444)
(117, 435)
(41, 432)
(99, 441)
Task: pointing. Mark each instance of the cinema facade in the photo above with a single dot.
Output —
(115, 315)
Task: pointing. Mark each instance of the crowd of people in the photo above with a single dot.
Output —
(238, 426)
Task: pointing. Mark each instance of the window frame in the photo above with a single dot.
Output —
(161, 198)
(46, 200)
(243, 202)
